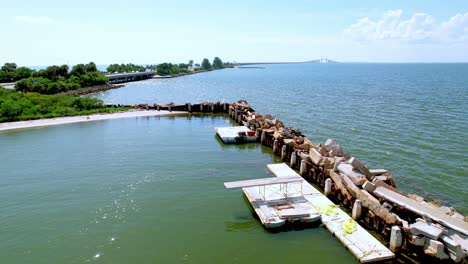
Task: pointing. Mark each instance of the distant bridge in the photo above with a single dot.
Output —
(129, 76)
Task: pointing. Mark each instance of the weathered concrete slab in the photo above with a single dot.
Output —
(361, 167)
(356, 177)
(427, 229)
(368, 186)
(315, 156)
(413, 206)
(376, 172)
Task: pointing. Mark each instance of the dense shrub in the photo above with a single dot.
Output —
(23, 106)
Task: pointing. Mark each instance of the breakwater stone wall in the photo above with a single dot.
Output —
(411, 225)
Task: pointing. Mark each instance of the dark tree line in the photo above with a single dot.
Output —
(53, 79)
(130, 67)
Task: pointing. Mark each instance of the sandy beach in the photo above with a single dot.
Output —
(77, 119)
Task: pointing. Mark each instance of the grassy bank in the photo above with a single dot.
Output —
(15, 106)
(92, 89)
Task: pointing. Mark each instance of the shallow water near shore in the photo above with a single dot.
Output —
(411, 119)
(140, 190)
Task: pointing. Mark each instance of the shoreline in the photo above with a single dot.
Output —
(92, 89)
(7, 126)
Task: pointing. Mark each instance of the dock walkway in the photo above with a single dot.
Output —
(362, 245)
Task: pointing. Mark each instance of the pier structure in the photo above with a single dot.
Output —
(362, 245)
(408, 222)
(413, 226)
(276, 201)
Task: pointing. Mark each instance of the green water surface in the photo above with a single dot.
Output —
(140, 190)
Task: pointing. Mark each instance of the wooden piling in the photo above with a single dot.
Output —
(303, 168)
(283, 152)
(328, 187)
(293, 159)
(356, 213)
(275, 146)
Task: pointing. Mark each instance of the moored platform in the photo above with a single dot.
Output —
(362, 245)
(275, 202)
(235, 134)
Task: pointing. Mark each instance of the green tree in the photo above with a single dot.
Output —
(6, 76)
(24, 85)
(165, 69)
(63, 71)
(90, 67)
(112, 68)
(78, 70)
(53, 88)
(217, 63)
(190, 63)
(52, 72)
(10, 109)
(23, 73)
(183, 66)
(206, 65)
(9, 67)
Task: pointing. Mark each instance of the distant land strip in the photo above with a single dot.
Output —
(288, 62)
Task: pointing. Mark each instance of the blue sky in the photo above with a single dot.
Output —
(58, 32)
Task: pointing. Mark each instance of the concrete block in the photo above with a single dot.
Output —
(436, 249)
(427, 229)
(446, 210)
(369, 187)
(379, 183)
(458, 216)
(315, 156)
(454, 248)
(330, 142)
(361, 167)
(418, 240)
(380, 178)
(357, 178)
(396, 239)
(416, 197)
(376, 172)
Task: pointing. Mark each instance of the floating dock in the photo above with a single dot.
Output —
(276, 202)
(236, 134)
(362, 245)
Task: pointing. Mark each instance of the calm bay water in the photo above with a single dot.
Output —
(411, 119)
(150, 190)
(140, 190)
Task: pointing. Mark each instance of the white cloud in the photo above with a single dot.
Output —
(419, 27)
(33, 19)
